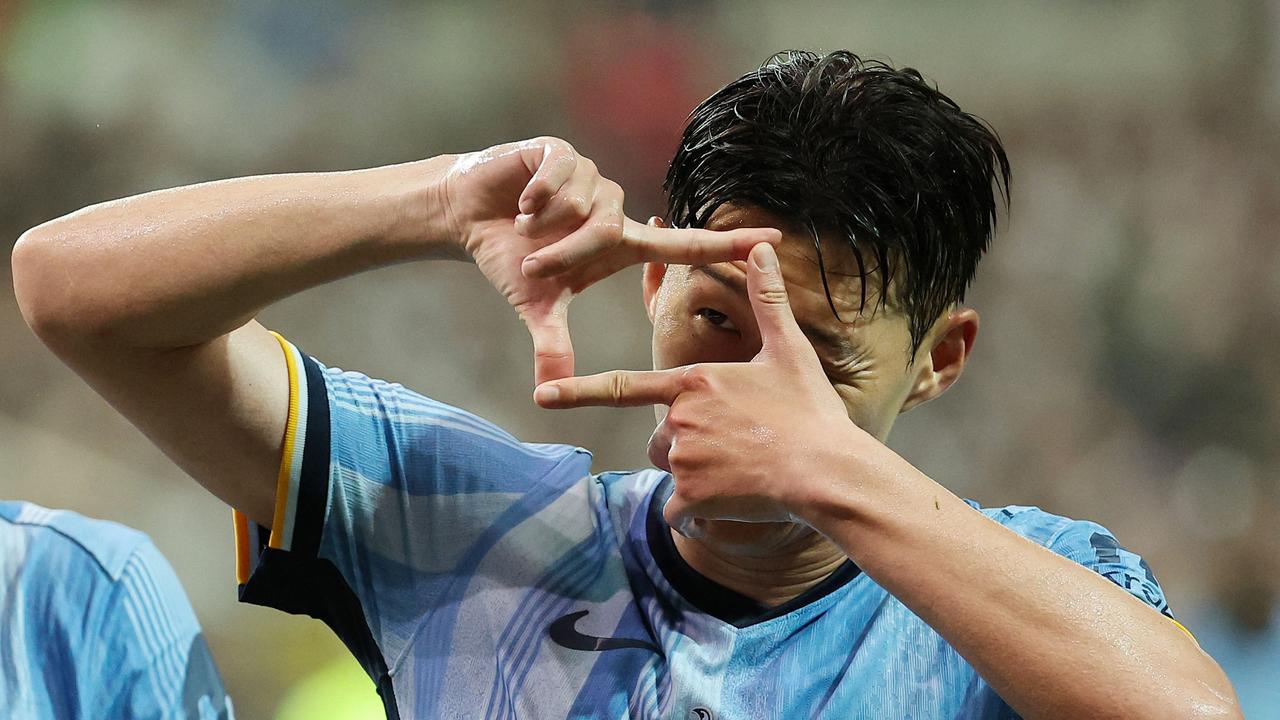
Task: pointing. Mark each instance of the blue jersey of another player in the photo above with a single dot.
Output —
(94, 624)
(479, 577)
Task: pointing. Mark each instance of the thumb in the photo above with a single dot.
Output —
(769, 302)
(680, 517)
(552, 348)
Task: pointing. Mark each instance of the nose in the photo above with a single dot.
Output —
(660, 447)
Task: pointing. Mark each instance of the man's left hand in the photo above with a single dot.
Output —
(744, 441)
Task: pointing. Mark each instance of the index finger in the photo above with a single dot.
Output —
(694, 246)
(616, 388)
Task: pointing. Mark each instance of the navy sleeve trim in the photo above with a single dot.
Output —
(313, 484)
(302, 585)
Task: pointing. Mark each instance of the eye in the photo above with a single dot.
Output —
(716, 319)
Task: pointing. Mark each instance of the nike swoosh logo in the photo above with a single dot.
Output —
(564, 634)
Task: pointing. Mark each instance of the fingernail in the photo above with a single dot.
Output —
(546, 394)
(530, 265)
(765, 257)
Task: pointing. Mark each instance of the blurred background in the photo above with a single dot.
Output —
(1131, 304)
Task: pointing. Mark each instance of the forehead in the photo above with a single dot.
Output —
(801, 268)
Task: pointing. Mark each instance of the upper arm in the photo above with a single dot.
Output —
(217, 409)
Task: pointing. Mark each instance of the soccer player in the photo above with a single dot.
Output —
(778, 561)
(94, 624)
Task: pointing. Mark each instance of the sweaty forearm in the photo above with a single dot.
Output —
(181, 267)
(1054, 638)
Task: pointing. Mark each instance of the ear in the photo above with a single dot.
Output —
(654, 272)
(940, 366)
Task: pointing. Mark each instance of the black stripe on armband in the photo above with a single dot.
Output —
(313, 483)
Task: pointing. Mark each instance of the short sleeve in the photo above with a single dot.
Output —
(1094, 546)
(160, 666)
(385, 503)
(1090, 545)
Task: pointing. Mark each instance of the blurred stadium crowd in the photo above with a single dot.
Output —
(1131, 303)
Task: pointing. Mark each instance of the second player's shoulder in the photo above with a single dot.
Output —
(45, 533)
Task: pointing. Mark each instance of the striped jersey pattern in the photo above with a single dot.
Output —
(94, 624)
(476, 576)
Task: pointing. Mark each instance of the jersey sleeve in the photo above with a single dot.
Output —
(386, 503)
(1090, 545)
(1093, 546)
(153, 661)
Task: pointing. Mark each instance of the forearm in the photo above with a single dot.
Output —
(150, 299)
(1053, 638)
(180, 267)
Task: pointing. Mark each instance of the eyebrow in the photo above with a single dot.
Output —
(835, 341)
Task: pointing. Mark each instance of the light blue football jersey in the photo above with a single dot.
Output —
(476, 576)
(94, 625)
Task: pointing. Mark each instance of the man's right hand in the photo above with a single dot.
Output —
(151, 299)
(542, 224)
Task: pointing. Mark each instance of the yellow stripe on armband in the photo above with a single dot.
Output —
(243, 559)
(1184, 629)
(277, 539)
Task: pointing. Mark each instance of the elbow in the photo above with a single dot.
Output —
(1218, 702)
(43, 286)
(1218, 699)
(1184, 706)
(1216, 710)
(31, 263)
(1218, 707)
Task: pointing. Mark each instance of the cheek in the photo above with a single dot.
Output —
(856, 403)
(671, 296)
(669, 322)
(680, 337)
(671, 331)
(870, 407)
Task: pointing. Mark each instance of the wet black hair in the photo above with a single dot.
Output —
(859, 152)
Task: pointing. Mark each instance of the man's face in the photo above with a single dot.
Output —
(702, 314)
